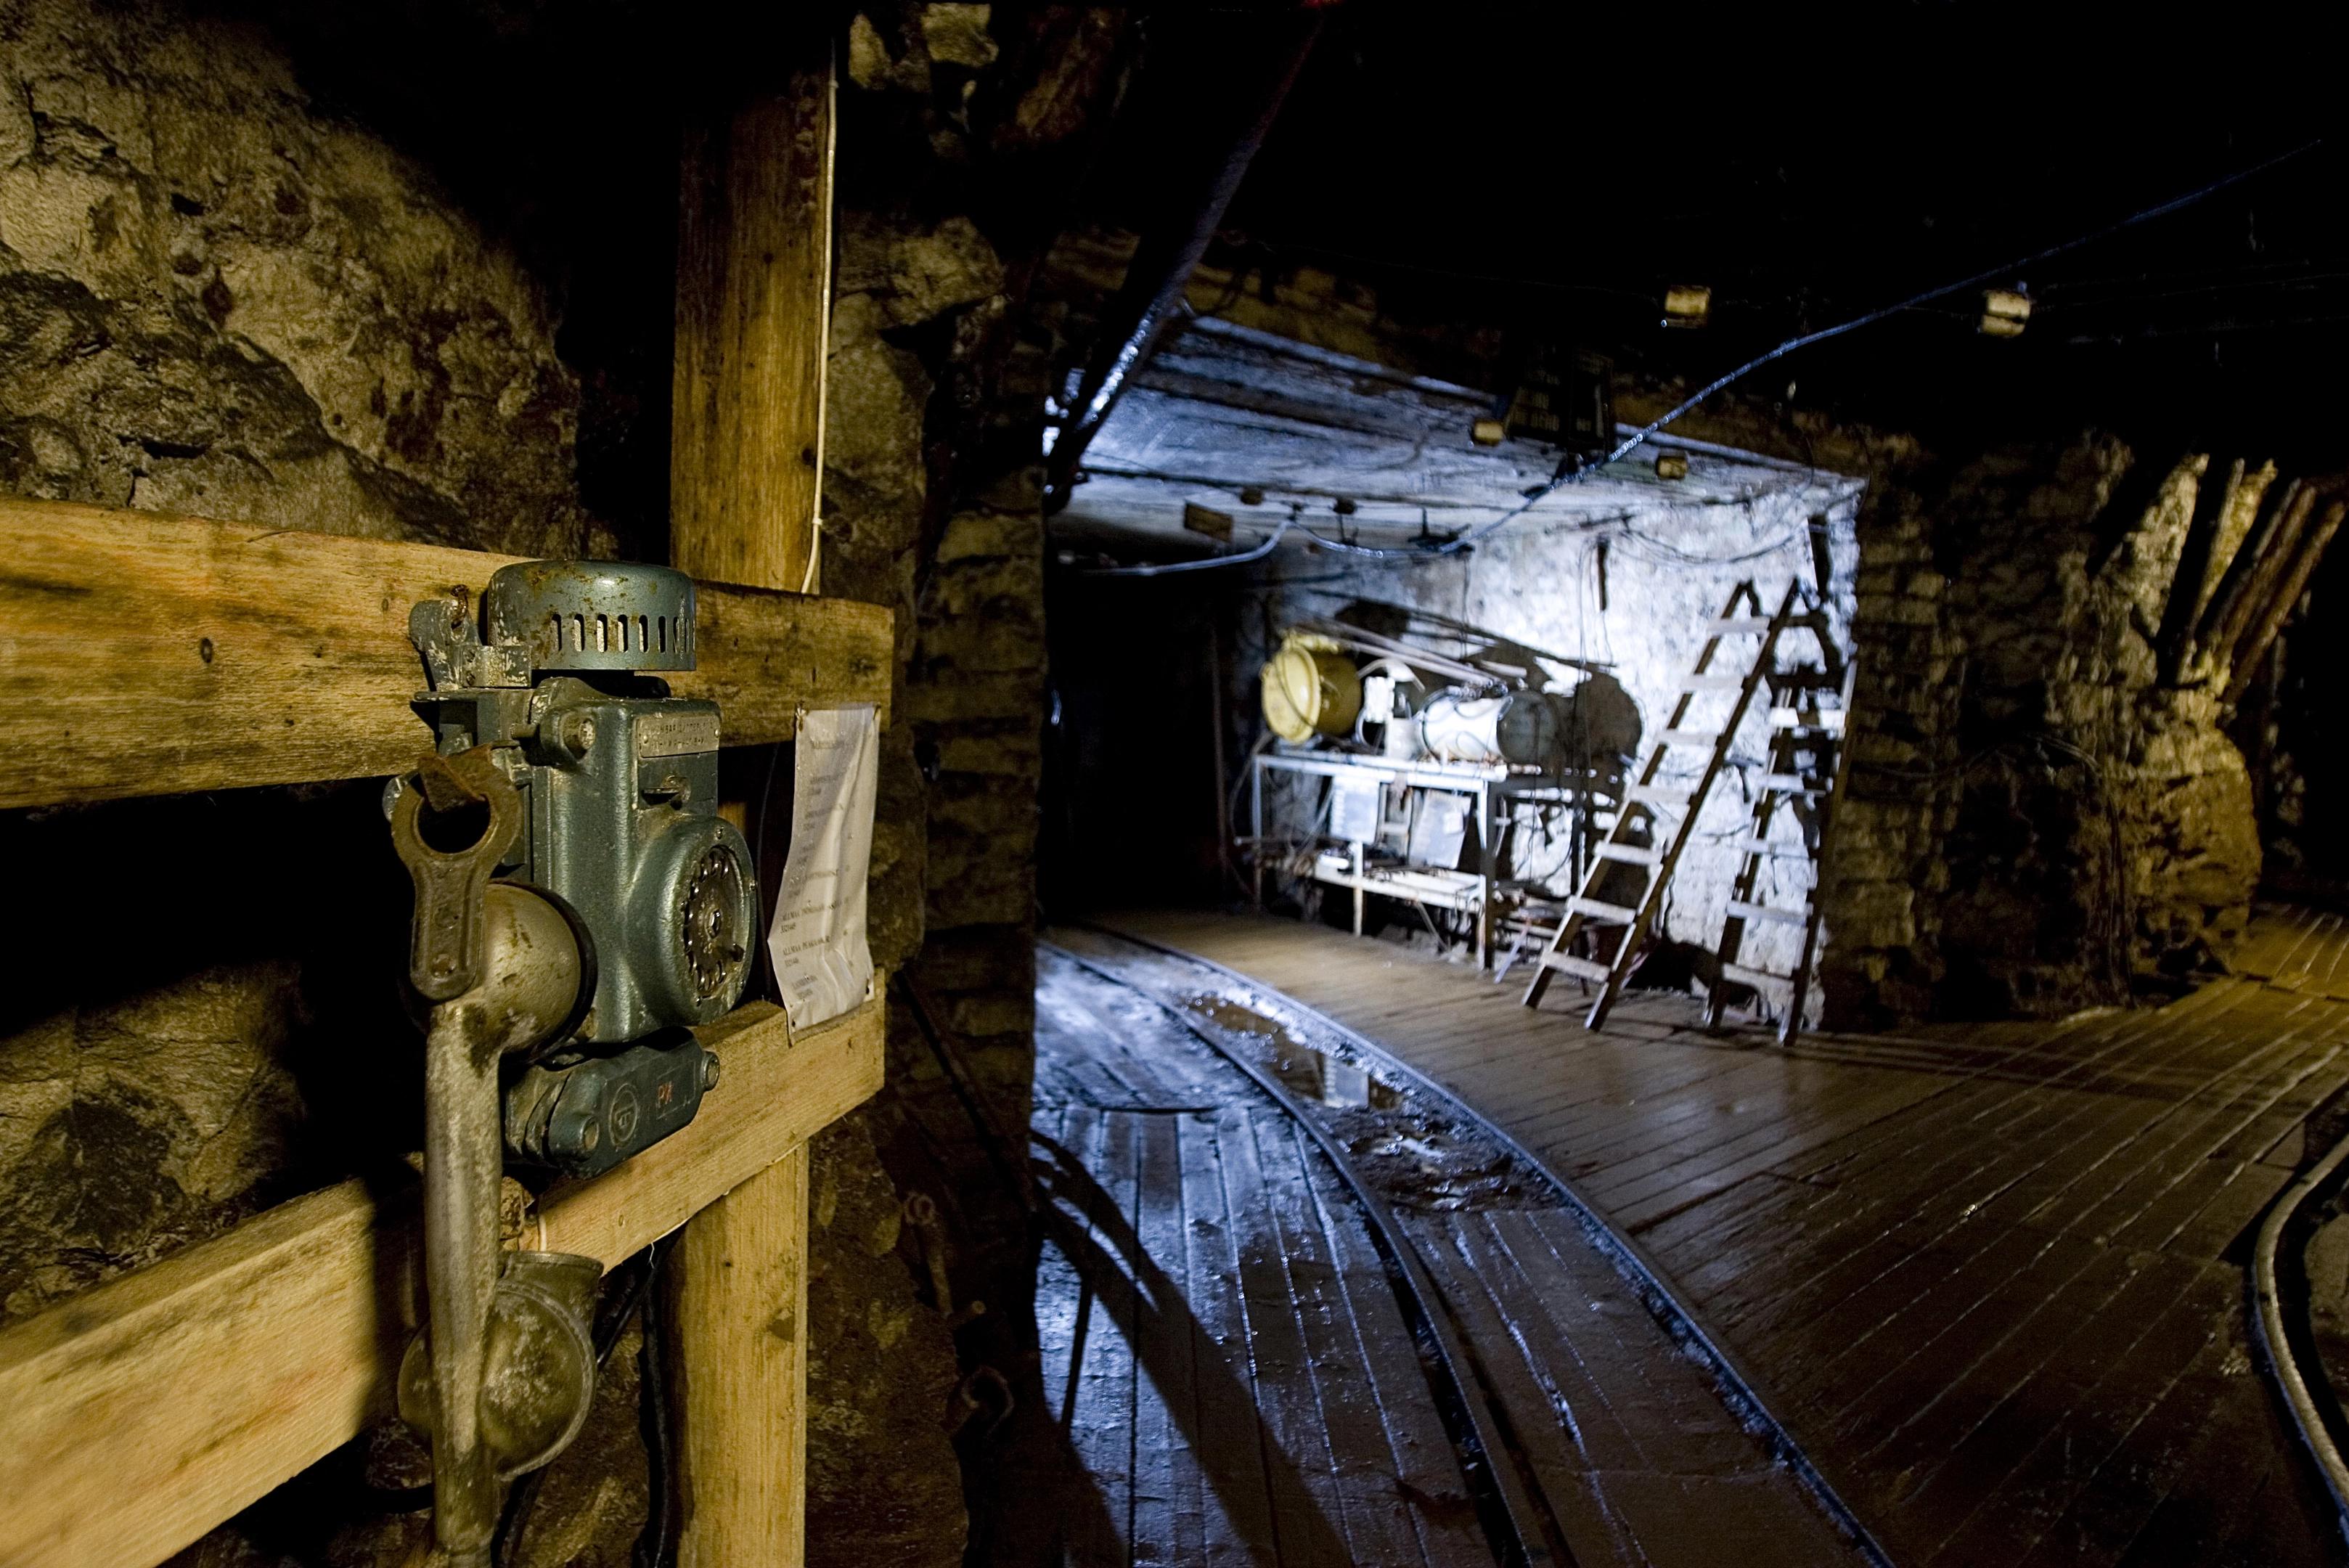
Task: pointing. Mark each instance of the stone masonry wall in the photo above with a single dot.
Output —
(2037, 820)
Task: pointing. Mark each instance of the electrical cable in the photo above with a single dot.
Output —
(1257, 553)
(1805, 340)
(1569, 473)
(612, 1319)
(655, 1544)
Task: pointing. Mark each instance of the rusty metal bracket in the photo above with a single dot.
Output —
(446, 941)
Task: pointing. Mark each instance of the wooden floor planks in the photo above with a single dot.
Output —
(1236, 1378)
(1232, 1370)
(1982, 1271)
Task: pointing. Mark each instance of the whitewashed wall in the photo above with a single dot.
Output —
(1669, 568)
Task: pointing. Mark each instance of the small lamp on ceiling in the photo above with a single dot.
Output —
(1687, 305)
(2004, 312)
(1672, 465)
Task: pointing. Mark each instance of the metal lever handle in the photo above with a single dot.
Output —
(503, 969)
(475, 814)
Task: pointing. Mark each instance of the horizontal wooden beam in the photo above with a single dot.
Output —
(140, 1413)
(146, 654)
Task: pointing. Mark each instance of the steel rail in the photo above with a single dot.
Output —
(1528, 1535)
(1646, 1277)
(2274, 1332)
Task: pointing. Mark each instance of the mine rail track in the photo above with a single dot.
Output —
(1540, 1454)
(2281, 1318)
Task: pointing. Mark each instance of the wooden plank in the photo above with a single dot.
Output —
(1425, 1470)
(1166, 1515)
(143, 653)
(745, 469)
(1563, 1428)
(754, 305)
(1071, 1321)
(1236, 1507)
(1941, 1414)
(739, 1370)
(1377, 1526)
(195, 1385)
(1309, 1512)
(1100, 1417)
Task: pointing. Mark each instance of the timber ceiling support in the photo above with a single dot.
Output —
(1174, 240)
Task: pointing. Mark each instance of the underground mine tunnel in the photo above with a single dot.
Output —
(1278, 784)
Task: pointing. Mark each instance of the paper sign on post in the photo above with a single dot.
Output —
(816, 942)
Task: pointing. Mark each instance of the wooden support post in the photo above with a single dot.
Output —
(2247, 604)
(754, 299)
(754, 303)
(2210, 635)
(2286, 594)
(740, 1371)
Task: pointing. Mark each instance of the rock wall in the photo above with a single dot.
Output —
(2040, 816)
(218, 301)
(214, 300)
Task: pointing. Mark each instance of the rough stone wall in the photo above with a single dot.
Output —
(218, 301)
(2040, 816)
(933, 505)
(215, 300)
(937, 806)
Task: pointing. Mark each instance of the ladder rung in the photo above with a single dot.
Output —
(1830, 719)
(1713, 683)
(1759, 978)
(1657, 794)
(1600, 909)
(1687, 737)
(1772, 849)
(1629, 854)
(1792, 783)
(1580, 968)
(1764, 912)
(1737, 623)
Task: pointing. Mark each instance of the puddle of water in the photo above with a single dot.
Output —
(1413, 1157)
(1301, 1068)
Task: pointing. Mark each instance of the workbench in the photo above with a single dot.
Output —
(1490, 788)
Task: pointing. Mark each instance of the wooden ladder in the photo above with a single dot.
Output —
(1806, 768)
(1646, 799)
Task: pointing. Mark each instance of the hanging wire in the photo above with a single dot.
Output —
(1257, 553)
(1569, 473)
(1803, 341)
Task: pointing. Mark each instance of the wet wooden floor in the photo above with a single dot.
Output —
(1229, 1360)
(1990, 1277)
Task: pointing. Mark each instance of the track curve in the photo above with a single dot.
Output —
(1552, 1426)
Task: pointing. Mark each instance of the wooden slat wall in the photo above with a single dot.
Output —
(143, 653)
(138, 1415)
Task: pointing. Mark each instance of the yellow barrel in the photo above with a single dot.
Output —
(1309, 691)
